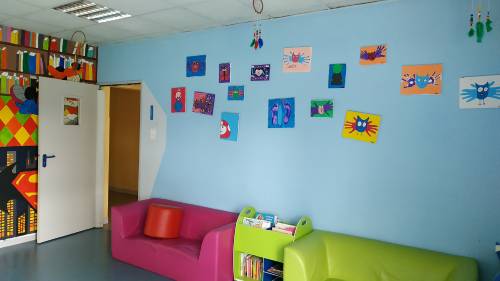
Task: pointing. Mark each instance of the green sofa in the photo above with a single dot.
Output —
(326, 256)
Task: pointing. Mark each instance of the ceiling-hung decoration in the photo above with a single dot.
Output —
(91, 11)
(257, 41)
(479, 26)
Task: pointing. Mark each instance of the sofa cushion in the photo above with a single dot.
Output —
(180, 247)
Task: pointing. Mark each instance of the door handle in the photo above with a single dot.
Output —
(44, 159)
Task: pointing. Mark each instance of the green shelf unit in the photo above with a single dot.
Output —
(263, 243)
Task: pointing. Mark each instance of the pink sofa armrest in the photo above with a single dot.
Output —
(128, 220)
(216, 256)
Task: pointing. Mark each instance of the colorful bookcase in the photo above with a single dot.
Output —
(266, 246)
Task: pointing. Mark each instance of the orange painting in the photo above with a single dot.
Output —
(421, 79)
(376, 54)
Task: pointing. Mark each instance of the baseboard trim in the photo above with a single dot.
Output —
(17, 240)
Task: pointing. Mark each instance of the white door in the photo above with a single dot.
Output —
(67, 158)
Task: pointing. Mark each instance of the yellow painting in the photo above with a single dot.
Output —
(361, 126)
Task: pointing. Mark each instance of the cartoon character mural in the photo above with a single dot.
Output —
(224, 73)
(480, 92)
(18, 160)
(196, 65)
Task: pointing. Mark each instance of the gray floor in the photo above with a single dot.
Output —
(84, 256)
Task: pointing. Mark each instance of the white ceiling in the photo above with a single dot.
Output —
(152, 17)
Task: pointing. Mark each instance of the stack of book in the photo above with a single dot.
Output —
(251, 266)
(284, 228)
(269, 222)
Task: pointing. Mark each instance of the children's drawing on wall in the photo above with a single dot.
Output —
(337, 75)
(480, 92)
(178, 99)
(361, 126)
(203, 103)
(224, 73)
(260, 72)
(71, 111)
(373, 55)
(421, 79)
(281, 113)
(196, 65)
(19, 194)
(297, 59)
(322, 108)
(229, 126)
(236, 93)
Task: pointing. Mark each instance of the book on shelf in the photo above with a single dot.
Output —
(284, 228)
(257, 223)
(251, 266)
(267, 217)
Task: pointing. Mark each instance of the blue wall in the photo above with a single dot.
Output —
(431, 181)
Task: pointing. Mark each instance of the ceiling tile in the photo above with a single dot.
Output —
(178, 3)
(279, 8)
(46, 3)
(141, 25)
(180, 19)
(31, 25)
(102, 32)
(57, 18)
(17, 8)
(224, 11)
(136, 7)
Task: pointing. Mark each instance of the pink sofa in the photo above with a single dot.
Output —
(204, 251)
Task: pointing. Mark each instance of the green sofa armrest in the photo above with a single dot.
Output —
(306, 259)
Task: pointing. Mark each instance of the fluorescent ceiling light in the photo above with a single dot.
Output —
(91, 11)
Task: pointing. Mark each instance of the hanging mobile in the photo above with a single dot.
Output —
(489, 23)
(257, 42)
(479, 26)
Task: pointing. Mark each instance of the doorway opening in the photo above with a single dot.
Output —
(121, 149)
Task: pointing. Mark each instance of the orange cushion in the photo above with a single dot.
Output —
(163, 221)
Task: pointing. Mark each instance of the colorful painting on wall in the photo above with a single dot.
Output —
(297, 59)
(196, 66)
(71, 111)
(224, 73)
(236, 93)
(260, 72)
(281, 113)
(337, 75)
(361, 126)
(373, 55)
(480, 92)
(229, 126)
(322, 108)
(19, 193)
(421, 79)
(203, 103)
(178, 99)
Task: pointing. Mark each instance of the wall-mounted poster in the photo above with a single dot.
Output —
(322, 108)
(196, 65)
(361, 126)
(480, 92)
(297, 59)
(376, 54)
(203, 103)
(260, 72)
(229, 126)
(236, 93)
(281, 113)
(337, 75)
(71, 111)
(421, 79)
(224, 73)
(178, 99)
